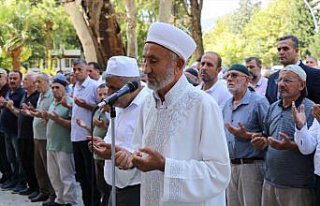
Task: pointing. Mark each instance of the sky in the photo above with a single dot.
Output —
(212, 9)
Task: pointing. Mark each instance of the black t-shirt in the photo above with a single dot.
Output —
(25, 130)
(8, 119)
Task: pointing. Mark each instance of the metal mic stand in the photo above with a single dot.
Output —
(113, 152)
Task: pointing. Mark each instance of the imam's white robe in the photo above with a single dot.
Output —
(188, 131)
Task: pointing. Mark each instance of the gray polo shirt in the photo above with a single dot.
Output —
(285, 168)
(251, 113)
(39, 124)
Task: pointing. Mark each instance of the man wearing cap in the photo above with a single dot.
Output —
(180, 138)
(5, 168)
(244, 112)
(289, 176)
(210, 66)
(121, 70)
(59, 147)
(85, 99)
(288, 53)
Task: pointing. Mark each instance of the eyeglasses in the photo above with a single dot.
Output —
(284, 80)
(234, 75)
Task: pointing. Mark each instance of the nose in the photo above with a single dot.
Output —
(146, 68)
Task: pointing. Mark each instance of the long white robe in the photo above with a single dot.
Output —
(188, 131)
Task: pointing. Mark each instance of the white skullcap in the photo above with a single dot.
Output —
(3, 71)
(297, 70)
(122, 66)
(172, 38)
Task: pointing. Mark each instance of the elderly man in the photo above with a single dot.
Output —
(180, 135)
(120, 70)
(210, 66)
(85, 98)
(59, 147)
(10, 128)
(258, 82)
(308, 140)
(289, 176)
(288, 53)
(245, 111)
(40, 138)
(25, 133)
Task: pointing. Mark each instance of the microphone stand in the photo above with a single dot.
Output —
(113, 152)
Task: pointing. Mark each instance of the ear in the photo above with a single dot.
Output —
(219, 69)
(180, 63)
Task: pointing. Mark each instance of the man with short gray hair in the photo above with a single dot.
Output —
(85, 99)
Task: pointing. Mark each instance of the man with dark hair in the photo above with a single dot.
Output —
(258, 82)
(288, 53)
(94, 72)
(210, 66)
(10, 128)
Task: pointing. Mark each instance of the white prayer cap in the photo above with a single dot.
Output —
(122, 66)
(3, 71)
(171, 38)
(297, 70)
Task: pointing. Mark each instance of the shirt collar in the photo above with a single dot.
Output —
(246, 98)
(298, 102)
(85, 83)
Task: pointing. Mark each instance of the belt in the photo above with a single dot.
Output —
(238, 161)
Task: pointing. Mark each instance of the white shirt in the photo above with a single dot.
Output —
(308, 141)
(100, 81)
(187, 129)
(125, 123)
(88, 92)
(261, 86)
(219, 92)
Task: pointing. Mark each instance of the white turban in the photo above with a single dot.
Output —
(171, 38)
(122, 66)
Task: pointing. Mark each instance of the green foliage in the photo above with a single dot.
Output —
(36, 26)
(253, 31)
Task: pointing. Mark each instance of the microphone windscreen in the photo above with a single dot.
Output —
(133, 85)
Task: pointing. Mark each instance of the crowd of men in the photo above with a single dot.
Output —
(190, 137)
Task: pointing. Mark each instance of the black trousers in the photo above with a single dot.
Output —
(127, 196)
(85, 173)
(26, 153)
(5, 167)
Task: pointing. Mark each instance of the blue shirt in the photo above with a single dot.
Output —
(250, 112)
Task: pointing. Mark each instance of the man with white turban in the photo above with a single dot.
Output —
(180, 140)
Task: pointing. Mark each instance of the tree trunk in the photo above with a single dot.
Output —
(15, 55)
(132, 49)
(97, 29)
(165, 11)
(196, 8)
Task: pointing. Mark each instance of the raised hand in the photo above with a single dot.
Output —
(83, 125)
(259, 142)
(284, 144)
(299, 117)
(316, 111)
(80, 102)
(124, 159)
(147, 160)
(239, 131)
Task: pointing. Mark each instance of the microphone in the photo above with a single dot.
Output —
(127, 88)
